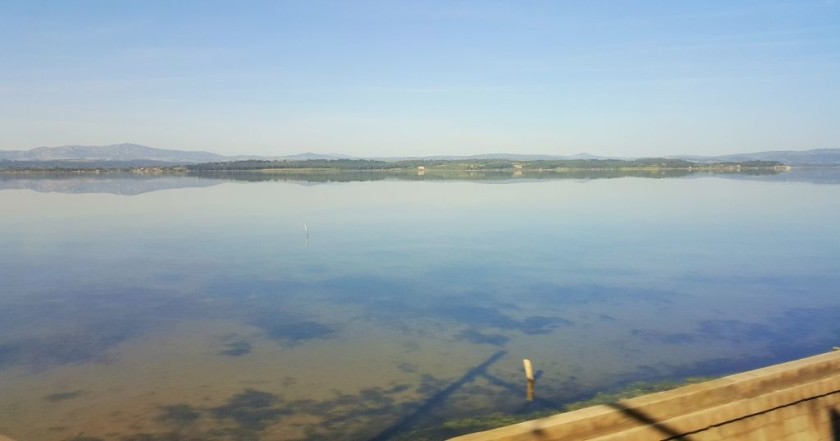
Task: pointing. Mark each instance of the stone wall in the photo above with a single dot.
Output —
(799, 400)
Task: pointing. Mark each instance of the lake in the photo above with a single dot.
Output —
(374, 307)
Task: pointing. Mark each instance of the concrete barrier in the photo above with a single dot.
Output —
(798, 400)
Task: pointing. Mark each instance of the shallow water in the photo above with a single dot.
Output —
(197, 308)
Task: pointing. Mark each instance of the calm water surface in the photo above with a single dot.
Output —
(200, 309)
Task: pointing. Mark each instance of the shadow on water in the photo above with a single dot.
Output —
(246, 415)
(436, 400)
(538, 403)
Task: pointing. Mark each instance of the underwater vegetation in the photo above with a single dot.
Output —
(462, 426)
(89, 344)
(480, 338)
(236, 348)
(632, 390)
(251, 409)
(487, 317)
(169, 436)
(92, 321)
(784, 335)
(378, 413)
(394, 412)
(9, 353)
(246, 415)
(293, 333)
(179, 414)
(390, 300)
(61, 396)
(580, 294)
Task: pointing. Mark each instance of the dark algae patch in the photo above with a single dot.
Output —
(461, 426)
(486, 317)
(294, 333)
(480, 338)
(179, 414)
(251, 410)
(91, 322)
(785, 336)
(62, 396)
(541, 325)
(169, 436)
(9, 353)
(236, 348)
(248, 415)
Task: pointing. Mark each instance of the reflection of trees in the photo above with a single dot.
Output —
(433, 175)
(129, 183)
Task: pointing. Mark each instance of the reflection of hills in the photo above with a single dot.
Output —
(326, 176)
(130, 184)
(812, 175)
(122, 184)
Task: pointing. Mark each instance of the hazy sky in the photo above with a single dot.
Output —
(391, 77)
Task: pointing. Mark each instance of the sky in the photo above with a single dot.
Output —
(412, 78)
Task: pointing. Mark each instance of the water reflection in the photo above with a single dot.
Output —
(199, 313)
(113, 183)
(129, 184)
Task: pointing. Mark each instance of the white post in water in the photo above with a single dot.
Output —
(529, 375)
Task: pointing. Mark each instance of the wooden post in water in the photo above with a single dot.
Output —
(529, 375)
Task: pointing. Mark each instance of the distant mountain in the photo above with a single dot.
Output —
(76, 164)
(121, 155)
(308, 156)
(116, 152)
(789, 157)
(140, 155)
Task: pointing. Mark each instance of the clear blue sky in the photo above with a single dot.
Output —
(392, 78)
